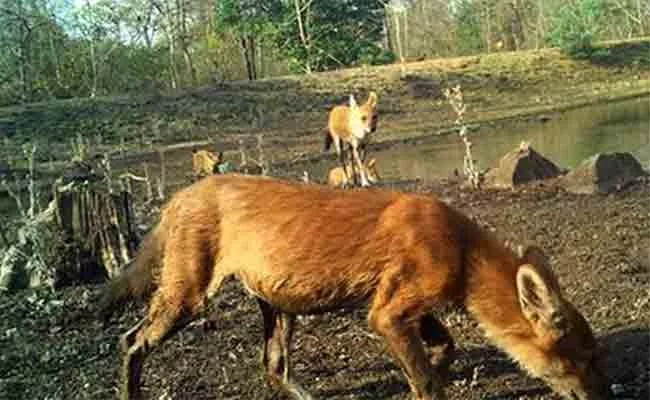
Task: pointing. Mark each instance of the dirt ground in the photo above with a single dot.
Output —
(599, 247)
(50, 348)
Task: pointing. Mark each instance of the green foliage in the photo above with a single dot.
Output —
(62, 49)
(375, 55)
(468, 31)
(248, 16)
(338, 33)
(577, 24)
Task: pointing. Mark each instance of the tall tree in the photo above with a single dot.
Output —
(250, 20)
(320, 35)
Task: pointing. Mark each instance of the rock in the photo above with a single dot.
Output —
(519, 166)
(603, 173)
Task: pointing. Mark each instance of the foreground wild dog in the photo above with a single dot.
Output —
(337, 177)
(352, 124)
(205, 162)
(307, 249)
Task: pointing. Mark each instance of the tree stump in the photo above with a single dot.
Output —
(99, 225)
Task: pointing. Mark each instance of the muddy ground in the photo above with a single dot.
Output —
(599, 247)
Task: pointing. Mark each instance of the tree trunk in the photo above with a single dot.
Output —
(388, 44)
(183, 35)
(406, 33)
(398, 36)
(260, 60)
(248, 54)
(169, 31)
(488, 22)
(54, 54)
(101, 227)
(189, 63)
(93, 67)
(24, 52)
(303, 34)
(252, 50)
(517, 26)
(541, 30)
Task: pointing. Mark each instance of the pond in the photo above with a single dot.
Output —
(566, 138)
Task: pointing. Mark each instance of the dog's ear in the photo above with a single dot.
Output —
(372, 99)
(353, 101)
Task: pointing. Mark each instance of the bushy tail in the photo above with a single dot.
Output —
(138, 279)
(328, 141)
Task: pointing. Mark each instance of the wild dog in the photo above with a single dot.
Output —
(352, 124)
(307, 249)
(205, 162)
(336, 176)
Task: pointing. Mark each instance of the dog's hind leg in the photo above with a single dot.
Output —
(355, 174)
(438, 339)
(181, 295)
(357, 158)
(163, 319)
(340, 152)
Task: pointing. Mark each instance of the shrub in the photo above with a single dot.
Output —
(576, 25)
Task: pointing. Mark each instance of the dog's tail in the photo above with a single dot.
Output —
(138, 279)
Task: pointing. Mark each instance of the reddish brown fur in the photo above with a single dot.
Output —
(336, 176)
(138, 280)
(352, 124)
(307, 249)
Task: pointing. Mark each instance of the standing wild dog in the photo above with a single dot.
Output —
(307, 249)
(337, 176)
(352, 124)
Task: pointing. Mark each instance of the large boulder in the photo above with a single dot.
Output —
(519, 166)
(603, 173)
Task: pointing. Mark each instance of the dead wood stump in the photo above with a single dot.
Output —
(100, 227)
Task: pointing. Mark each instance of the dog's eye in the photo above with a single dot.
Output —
(364, 118)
